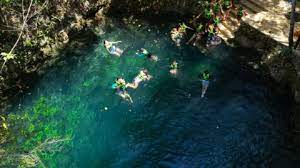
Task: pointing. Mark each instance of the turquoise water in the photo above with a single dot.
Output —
(168, 125)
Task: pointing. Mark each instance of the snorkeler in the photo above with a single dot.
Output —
(144, 53)
(205, 77)
(174, 68)
(120, 87)
(112, 49)
(142, 76)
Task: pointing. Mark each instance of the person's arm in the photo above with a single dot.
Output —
(107, 49)
(115, 42)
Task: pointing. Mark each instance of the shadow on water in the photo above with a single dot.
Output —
(168, 125)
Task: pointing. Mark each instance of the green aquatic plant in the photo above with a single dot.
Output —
(37, 133)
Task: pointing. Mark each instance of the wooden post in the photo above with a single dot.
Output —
(292, 24)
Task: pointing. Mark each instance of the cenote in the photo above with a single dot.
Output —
(169, 125)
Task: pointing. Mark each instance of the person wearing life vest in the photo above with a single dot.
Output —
(142, 76)
(174, 68)
(111, 48)
(205, 78)
(120, 87)
(176, 36)
(144, 53)
(240, 13)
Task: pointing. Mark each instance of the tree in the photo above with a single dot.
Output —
(292, 24)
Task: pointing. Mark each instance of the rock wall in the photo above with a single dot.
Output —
(50, 27)
(279, 62)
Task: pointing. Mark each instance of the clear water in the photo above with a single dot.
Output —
(168, 125)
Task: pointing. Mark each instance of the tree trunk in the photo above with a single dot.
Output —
(292, 24)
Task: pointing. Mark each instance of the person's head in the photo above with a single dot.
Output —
(206, 72)
(145, 71)
(105, 42)
(121, 80)
(174, 62)
(153, 57)
(142, 49)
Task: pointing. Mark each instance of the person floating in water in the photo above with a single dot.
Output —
(144, 53)
(120, 87)
(178, 33)
(142, 76)
(205, 78)
(176, 36)
(112, 49)
(174, 68)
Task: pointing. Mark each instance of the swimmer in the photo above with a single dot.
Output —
(142, 76)
(144, 53)
(176, 36)
(174, 68)
(112, 49)
(205, 77)
(120, 87)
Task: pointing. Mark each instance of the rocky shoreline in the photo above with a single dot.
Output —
(49, 31)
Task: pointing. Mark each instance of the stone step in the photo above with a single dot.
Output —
(225, 34)
(250, 8)
(233, 18)
(261, 4)
(277, 6)
(230, 26)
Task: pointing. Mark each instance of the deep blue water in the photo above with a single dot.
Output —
(237, 124)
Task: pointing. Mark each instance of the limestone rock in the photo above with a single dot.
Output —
(99, 16)
(63, 36)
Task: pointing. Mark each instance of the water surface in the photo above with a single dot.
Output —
(168, 125)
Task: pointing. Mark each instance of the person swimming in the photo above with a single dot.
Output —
(144, 53)
(111, 48)
(174, 68)
(120, 87)
(205, 78)
(176, 36)
(142, 76)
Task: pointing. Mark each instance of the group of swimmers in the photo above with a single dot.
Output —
(121, 86)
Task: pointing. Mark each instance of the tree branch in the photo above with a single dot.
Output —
(20, 35)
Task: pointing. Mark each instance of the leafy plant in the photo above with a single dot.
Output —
(7, 56)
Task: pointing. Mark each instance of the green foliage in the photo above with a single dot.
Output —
(34, 126)
(217, 8)
(207, 14)
(7, 56)
(5, 2)
(28, 43)
(217, 20)
(200, 28)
